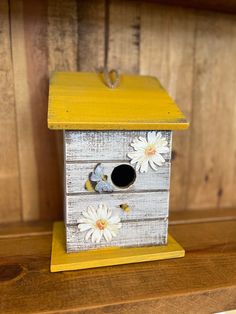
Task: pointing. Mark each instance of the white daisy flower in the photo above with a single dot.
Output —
(148, 151)
(99, 223)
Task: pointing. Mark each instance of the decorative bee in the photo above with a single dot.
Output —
(98, 181)
(125, 207)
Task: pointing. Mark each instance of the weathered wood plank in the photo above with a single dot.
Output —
(62, 35)
(218, 6)
(45, 194)
(167, 51)
(78, 173)
(212, 159)
(201, 216)
(135, 233)
(124, 39)
(90, 35)
(103, 145)
(26, 141)
(26, 229)
(213, 300)
(143, 205)
(62, 49)
(10, 195)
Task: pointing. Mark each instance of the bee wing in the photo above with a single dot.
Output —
(103, 186)
(97, 174)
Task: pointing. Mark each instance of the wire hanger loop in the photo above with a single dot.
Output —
(111, 78)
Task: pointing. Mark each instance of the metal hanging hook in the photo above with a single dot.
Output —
(111, 78)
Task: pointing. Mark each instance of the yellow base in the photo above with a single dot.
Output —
(61, 261)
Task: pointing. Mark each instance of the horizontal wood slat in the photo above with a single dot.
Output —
(103, 145)
(143, 205)
(133, 233)
(77, 174)
(197, 216)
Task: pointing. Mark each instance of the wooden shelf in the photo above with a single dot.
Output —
(203, 281)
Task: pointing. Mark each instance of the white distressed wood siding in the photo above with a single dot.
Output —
(132, 233)
(143, 205)
(148, 197)
(104, 145)
(77, 174)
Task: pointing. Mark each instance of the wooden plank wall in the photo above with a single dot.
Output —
(191, 52)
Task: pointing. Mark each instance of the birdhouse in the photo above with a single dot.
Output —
(117, 158)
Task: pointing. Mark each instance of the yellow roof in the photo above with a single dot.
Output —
(81, 101)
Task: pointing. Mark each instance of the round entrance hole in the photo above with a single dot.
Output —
(123, 176)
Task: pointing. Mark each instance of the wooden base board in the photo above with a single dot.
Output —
(62, 261)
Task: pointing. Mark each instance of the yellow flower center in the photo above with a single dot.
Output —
(101, 224)
(150, 150)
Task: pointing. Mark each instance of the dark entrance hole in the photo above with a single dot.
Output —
(123, 176)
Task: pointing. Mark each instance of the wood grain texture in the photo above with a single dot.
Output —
(210, 302)
(78, 173)
(62, 35)
(143, 205)
(40, 193)
(212, 179)
(46, 193)
(103, 145)
(167, 50)
(203, 281)
(198, 216)
(62, 50)
(124, 39)
(131, 234)
(218, 6)
(82, 101)
(26, 140)
(10, 195)
(27, 229)
(36, 36)
(91, 25)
